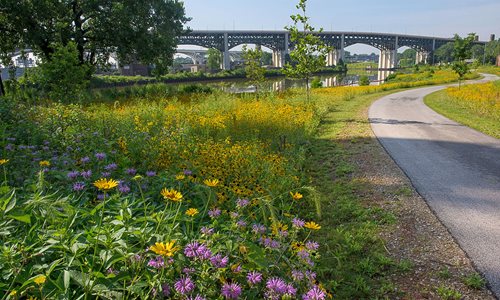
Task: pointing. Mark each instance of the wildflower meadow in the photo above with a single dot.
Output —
(152, 197)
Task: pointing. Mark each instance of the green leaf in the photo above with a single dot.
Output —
(67, 278)
(21, 218)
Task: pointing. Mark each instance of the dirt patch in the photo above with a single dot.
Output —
(437, 268)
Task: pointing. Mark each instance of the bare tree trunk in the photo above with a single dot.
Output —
(2, 90)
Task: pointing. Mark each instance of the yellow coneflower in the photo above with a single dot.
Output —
(44, 163)
(180, 177)
(192, 212)
(3, 161)
(172, 195)
(104, 184)
(165, 249)
(296, 195)
(211, 182)
(40, 279)
(312, 225)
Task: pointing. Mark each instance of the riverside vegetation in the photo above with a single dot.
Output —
(206, 196)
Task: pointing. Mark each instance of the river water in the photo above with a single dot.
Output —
(282, 83)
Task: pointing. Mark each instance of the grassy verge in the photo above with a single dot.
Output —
(444, 104)
(489, 69)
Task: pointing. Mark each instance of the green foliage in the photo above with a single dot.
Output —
(492, 50)
(364, 80)
(97, 27)
(447, 293)
(309, 53)
(462, 50)
(316, 83)
(407, 58)
(474, 281)
(477, 52)
(267, 58)
(214, 59)
(444, 54)
(253, 65)
(62, 77)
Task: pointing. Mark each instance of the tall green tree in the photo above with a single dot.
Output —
(214, 59)
(309, 51)
(142, 31)
(462, 50)
(407, 58)
(444, 54)
(253, 66)
(492, 50)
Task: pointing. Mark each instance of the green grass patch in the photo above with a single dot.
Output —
(443, 104)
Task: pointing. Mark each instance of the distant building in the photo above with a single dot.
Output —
(134, 69)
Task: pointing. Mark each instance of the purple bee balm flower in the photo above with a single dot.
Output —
(231, 290)
(11, 139)
(100, 156)
(165, 290)
(270, 243)
(283, 233)
(184, 285)
(299, 223)
(214, 213)
(85, 160)
(219, 261)
(150, 173)
(111, 167)
(188, 271)
(100, 196)
(45, 148)
(105, 174)
(303, 254)
(240, 203)
(157, 263)
(203, 252)
(241, 223)
(276, 285)
(312, 245)
(9, 147)
(78, 186)
(73, 174)
(86, 174)
(136, 258)
(314, 294)
(290, 290)
(131, 171)
(188, 172)
(198, 297)
(123, 188)
(254, 277)
(234, 214)
(207, 231)
(191, 248)
(258, 229)
(311, 275)
(297, 275)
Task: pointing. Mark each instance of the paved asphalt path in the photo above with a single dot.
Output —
(455, 168)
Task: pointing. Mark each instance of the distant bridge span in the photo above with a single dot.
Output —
(279, 42)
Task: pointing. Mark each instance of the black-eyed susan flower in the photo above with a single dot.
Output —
(312, 225)
(171, 194)
(192, 212)
(165, 249)
(296, 195)
(104, 184)
(3, 161)
(180, 177)
(211, 182)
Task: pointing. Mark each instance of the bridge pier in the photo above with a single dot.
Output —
(422, 57)
(278, 59)
(388, 59)
(333, 57)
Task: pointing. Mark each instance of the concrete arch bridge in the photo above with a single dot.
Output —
(279, 42)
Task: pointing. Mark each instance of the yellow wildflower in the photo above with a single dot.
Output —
(44, 163)
(211, 182)
(167, 249)
(171, 195)
(40, 279)
(137, 177)
(312, 225)
(13, 293)
(180, 177)
(296, 195)
(104, 184)
(3, 161)
(298, 246)
(192, 212)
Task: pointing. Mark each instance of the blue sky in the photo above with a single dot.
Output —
(421, 17)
